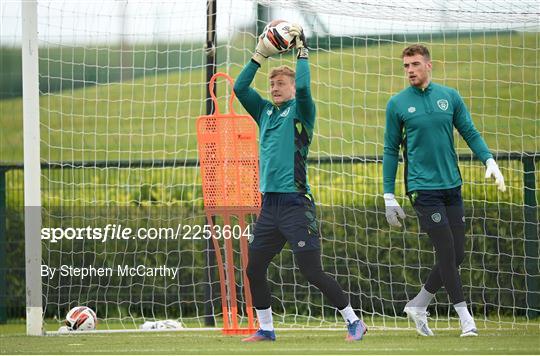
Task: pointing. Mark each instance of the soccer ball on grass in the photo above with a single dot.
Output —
(81, 319)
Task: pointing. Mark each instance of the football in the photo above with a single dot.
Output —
(81, 319)
(276, 35)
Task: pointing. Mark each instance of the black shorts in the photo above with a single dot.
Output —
(436, 208)
(286, 217)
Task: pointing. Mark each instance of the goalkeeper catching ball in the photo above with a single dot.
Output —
(288, 210)
(421, 119)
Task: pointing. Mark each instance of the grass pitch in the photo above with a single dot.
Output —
(503, 341)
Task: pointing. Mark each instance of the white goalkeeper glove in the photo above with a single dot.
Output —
(263, 51)
(492, 169)
(393, 210)
(301, 44)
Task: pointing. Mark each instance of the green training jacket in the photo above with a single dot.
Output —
(422, 122)
(285, 132)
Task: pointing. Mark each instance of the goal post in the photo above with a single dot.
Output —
(32, 169)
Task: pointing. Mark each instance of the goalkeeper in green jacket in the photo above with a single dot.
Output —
(288, 209)
(421, 119)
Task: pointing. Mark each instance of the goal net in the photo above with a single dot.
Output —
(122, 83)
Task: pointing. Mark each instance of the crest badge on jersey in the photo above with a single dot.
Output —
(443, 104)
(436, 217)
(411, 109)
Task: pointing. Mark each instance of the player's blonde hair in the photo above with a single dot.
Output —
(282, 70)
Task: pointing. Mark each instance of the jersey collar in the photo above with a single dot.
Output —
(424, 91)
(285, 104)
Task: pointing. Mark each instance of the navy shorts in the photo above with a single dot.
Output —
(286, 217)
(436, 208)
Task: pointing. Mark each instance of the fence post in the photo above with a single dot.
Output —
(3, 242)
(531, 236)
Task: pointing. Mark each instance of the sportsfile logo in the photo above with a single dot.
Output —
(121, 232)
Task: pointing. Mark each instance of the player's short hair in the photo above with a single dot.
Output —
(282, 70)
(415, 49)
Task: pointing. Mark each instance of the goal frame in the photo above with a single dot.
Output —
(32, 168)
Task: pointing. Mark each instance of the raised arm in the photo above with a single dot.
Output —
(250, 99)
(304, 102)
